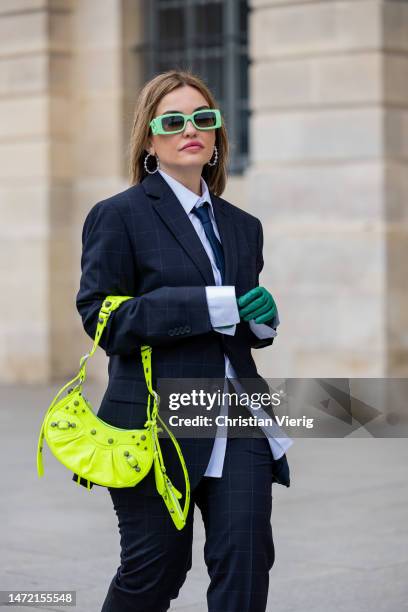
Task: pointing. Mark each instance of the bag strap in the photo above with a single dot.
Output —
(160, 470)
(110, 304)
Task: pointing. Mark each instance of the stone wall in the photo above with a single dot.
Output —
(329, 157)
(327, 175)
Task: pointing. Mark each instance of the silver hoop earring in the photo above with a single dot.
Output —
(215, 158)
(145, 164)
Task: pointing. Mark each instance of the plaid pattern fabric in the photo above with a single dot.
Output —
(239, 550)
(141, 243)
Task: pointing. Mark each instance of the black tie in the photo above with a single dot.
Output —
(203, 214)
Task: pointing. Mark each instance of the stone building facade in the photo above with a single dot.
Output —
(327, 175)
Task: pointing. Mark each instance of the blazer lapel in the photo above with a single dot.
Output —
(175, 217)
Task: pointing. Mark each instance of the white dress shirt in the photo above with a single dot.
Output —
(224, 315)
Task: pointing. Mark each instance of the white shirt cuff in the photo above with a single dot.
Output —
(222, 308)
(262, 331)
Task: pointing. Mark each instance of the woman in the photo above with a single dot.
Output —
(192, 260)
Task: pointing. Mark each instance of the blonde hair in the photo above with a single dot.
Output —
(145, 109)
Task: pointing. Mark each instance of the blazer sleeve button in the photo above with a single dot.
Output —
(171, 332)
(187, 329)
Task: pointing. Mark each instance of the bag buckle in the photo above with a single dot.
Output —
(106, 304)
(103, 314)
(156, 397)
(83, 360)
(62, 424)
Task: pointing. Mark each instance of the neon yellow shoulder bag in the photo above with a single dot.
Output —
(104, 454)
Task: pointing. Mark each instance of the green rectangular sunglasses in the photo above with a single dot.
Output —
(172, 123)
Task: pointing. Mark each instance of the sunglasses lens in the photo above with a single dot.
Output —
(172, 123)
(205, 119)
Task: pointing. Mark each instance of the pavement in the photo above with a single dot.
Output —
(340, 530)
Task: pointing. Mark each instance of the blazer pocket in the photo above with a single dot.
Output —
(127, 390)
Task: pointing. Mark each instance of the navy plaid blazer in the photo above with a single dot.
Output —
(141, 243)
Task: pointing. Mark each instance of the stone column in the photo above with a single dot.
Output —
(68, 75)
(329, 142)
(395, 138)
(107, 76)
(35, 187)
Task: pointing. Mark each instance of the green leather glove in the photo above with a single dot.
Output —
(257, 304)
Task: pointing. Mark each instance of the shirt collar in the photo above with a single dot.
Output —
(188, 199)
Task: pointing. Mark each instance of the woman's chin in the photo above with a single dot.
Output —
(190, 163)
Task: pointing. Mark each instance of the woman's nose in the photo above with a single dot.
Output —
(189, 127)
